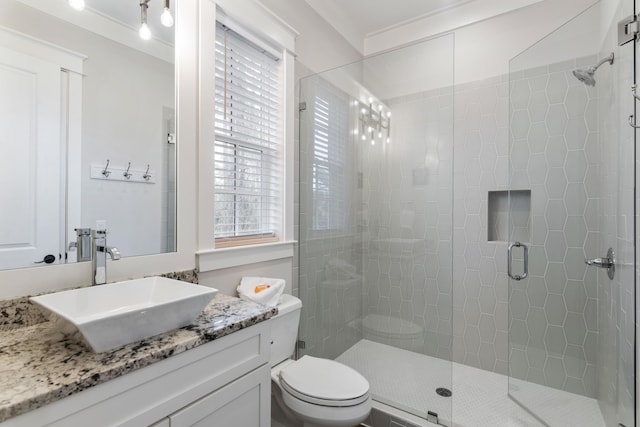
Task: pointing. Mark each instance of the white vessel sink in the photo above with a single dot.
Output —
(115, 314)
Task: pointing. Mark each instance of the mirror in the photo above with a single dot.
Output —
(87, 110)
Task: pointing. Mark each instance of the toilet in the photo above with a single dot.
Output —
(310, 391)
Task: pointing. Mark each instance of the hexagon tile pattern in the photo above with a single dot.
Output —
(422, 256)
(553, 315)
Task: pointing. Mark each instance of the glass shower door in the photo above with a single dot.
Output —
(376, 193)
(572, 325)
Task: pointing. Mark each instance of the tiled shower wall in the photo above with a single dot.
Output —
(553, 313)
(554, 152)
(391, 266)
(480, 300)
(407, 211)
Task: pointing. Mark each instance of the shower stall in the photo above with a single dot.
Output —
(444, 227)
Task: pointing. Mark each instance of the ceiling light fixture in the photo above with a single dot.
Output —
(145, 32)
(166, 18)
(374, 122)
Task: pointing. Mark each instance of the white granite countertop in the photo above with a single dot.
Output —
(38, 365)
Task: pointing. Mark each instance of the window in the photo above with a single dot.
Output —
(247, 155)
(328, 166)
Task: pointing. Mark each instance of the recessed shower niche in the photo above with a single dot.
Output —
(500, 204)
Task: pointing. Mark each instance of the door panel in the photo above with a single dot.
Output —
(30, 160)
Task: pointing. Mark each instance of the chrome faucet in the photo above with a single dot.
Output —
(99, 257)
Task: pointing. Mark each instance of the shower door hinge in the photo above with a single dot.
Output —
(627, 30)
(302, 106)
(302, 345)
(432, 417)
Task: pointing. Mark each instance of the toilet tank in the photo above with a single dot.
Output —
(284, 329)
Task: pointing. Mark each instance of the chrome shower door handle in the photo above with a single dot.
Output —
(525, 271)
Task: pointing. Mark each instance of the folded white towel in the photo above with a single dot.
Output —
(262, 290)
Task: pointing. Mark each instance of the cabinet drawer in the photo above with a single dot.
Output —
(244, 402)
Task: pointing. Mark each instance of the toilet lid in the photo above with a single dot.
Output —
(324, 382)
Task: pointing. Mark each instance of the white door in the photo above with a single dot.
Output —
(30, 175)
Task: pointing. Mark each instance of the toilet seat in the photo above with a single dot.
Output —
(324, 382)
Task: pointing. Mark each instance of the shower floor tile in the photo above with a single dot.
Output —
(407, 381)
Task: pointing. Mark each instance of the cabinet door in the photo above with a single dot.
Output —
(245, 402)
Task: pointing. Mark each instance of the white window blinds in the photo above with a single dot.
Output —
(328, 174)
(248, 165)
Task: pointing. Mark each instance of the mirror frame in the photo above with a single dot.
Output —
(29, 281)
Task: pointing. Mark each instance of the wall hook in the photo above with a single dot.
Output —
(126, 173)
(146, 175)
(632, 122)
(633, 92)
(106, 172)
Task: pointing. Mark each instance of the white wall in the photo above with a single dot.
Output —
(319, 46)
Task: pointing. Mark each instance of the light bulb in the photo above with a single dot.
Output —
(373, 142)
(145, 33)
(364, 137)
(388, 140)
(388, 114)
(379, 134)
(77, 4)
(355, 131)
(166, 18)
(363, 111)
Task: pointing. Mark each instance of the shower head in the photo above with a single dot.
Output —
(586, 75)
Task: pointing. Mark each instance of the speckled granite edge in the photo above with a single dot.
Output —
(190, 276)
(20, 312)
(39, 365)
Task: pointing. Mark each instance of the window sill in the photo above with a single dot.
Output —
(216, 259)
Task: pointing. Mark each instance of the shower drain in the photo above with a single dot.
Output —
(444, 392)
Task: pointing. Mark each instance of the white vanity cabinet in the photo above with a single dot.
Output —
(225, 382)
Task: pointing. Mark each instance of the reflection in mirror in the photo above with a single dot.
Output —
(80, 90)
